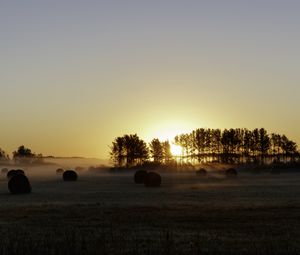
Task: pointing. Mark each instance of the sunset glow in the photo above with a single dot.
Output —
(150, 127)
(176, 150)
(167, 129)
(89, 71)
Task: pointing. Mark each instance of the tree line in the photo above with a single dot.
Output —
(235, 146)
(22, 155)
(129, 150)
(238, 145)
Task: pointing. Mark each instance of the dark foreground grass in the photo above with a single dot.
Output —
(94, 229)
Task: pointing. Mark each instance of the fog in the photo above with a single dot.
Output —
(50, 165)
(117, 188)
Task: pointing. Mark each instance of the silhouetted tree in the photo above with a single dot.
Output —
(207, 145)
(230, 143)
(216, 143)
(167, 155)
(288, 147)
(199, 142)
(264, 144)
(156, 150)
(118, 151)
(254, 144)
(129, 150)
(208, 141)
(3, 155)
(24, 155)
(276, 144)
(186, 142)
(247, 143)
(23, 152)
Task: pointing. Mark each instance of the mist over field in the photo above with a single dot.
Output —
(49, 165)
(184, 115)
(232, 191)
(106, 210)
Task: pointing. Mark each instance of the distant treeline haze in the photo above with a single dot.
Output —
(22, 155)
(235, 146)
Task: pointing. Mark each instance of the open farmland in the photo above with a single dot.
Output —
(106, 213)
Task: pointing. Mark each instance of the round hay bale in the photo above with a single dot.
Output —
(19, 184)
(11, 173)
(20, 171)
(139, 176)
(59, 171)
(231, 172)
(4, 171)
(152, 179)
(201, 172)
(70, 176)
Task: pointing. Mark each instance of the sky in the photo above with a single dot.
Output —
(76, 74)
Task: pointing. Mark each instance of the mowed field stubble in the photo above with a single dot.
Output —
(107, 213)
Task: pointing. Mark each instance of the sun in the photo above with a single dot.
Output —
(176, 150)
(167, 130)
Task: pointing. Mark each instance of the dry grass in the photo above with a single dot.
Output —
(187, 215)
(91, 229)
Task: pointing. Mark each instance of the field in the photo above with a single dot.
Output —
(108, 214)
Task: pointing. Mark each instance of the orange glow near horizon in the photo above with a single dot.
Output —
(154, 77)
(168, 129)
(176, 150)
